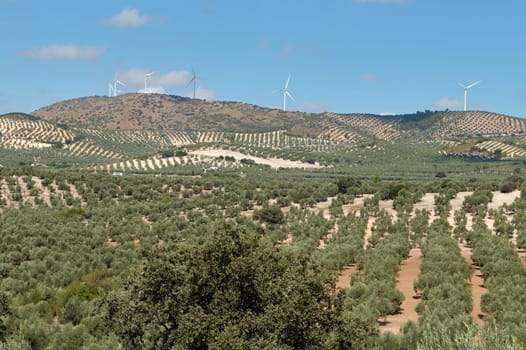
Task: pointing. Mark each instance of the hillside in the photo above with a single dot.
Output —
(155, 111)
(131, 132)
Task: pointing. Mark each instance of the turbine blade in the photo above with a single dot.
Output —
(190, 82)
(120, 82)
(289, 95)
(287, 84)
(462, 85)
(471, 85)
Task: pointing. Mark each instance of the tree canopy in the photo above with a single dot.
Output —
(233, 292)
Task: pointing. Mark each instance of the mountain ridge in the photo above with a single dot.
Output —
(157, 111)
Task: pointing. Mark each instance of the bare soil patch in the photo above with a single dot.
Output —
(409, 271)
(273, 162)
(368, 231)
(387, 205)
(477, 286)
(427, 202)
(522, 257)
(499, 199)
(456, 204)
(344, 277)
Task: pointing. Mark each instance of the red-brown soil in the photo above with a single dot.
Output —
(344, 277)
(409, 271)
(477, 286)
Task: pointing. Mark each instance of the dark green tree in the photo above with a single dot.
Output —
(233, 291)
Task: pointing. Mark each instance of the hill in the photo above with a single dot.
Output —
(155, 111)
(142, 132)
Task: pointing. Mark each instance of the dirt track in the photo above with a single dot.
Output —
(477, 286)
(409, 271)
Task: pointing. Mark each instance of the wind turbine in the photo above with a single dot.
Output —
(193, 80)
(115, 88)
(146, 76)
(286, 93)
(466, 88)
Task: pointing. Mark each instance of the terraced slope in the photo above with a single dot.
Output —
(384, 128)
(164, 112)
(21, 131)
(508, 151)
(476, 123)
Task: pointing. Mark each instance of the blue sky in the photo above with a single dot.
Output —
(373, 56)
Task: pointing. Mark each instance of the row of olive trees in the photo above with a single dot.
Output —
(443, 281)
(505, 278)
(373, 290)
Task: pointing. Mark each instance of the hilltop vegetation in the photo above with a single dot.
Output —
(131, 132)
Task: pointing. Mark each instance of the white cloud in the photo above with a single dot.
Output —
(153, 90)
(369, 77)
(381, 1)
(202, 93)
(388, 114)
(447, 103)
(173, 78)
(313, 107)
(158, 82)
(65, 52)
(128, 18)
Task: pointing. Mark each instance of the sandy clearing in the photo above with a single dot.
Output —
(499, 199)
(409, 271)
(490, 223)
(427, 202)
(356, 204)
(368, 231)
(344, 276)
(324, 207)
(387, 205)
(456, 204)
(477, 286)
(273, 162)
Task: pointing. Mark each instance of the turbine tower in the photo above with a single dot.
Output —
(110, 90)
(115, 87)
(286, 93)
(146, 76)
(193, 80)
(466, 88)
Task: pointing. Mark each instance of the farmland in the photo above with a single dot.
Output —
(395, 238)
(226, 225)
